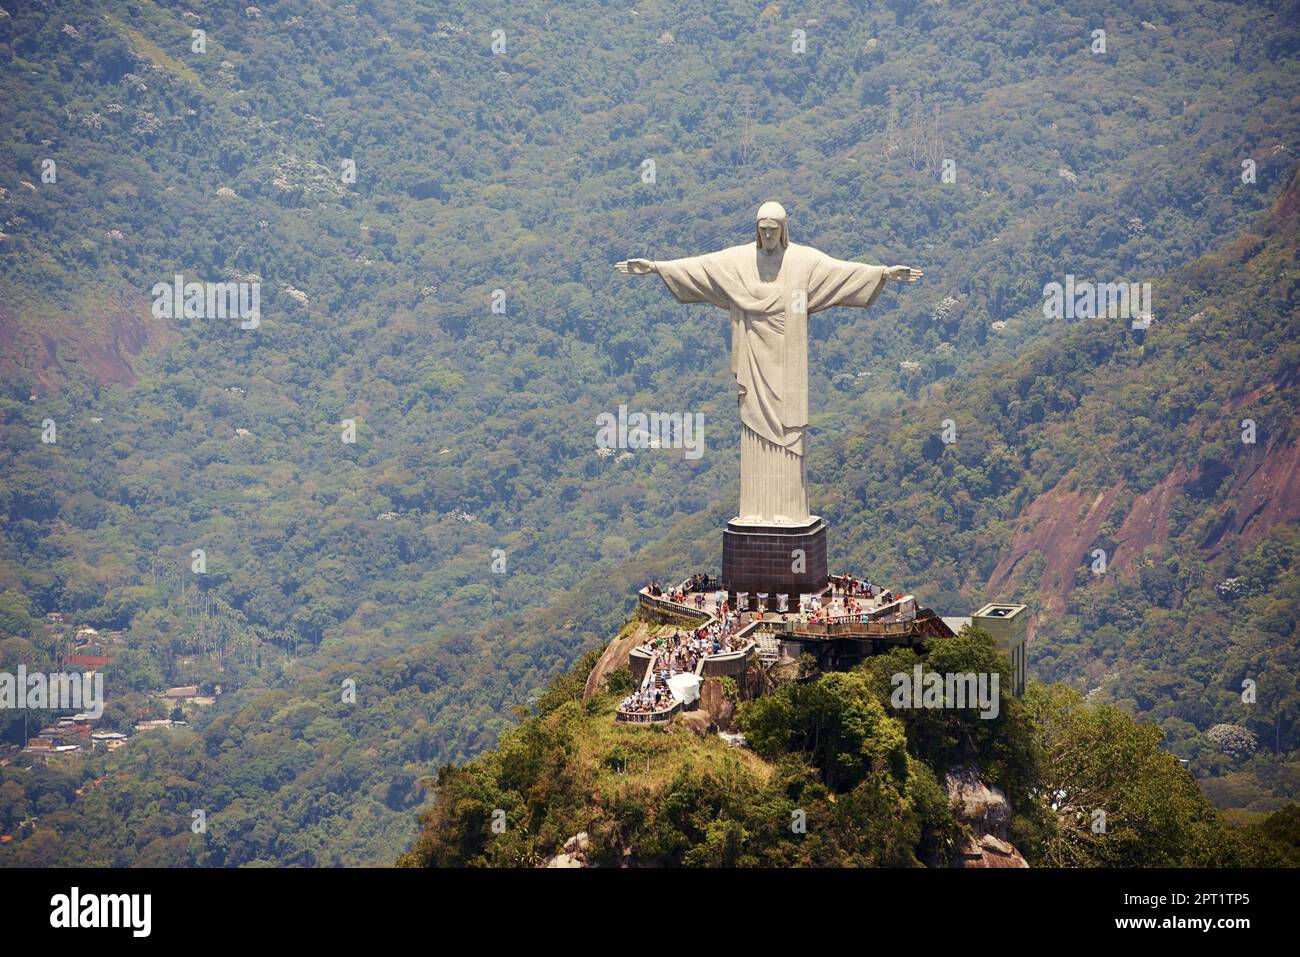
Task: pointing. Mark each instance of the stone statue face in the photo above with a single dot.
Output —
(771, 227)
(769, 235)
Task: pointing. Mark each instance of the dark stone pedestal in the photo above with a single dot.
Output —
(765, 558)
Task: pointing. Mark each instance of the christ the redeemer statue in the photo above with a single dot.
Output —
(770, 287)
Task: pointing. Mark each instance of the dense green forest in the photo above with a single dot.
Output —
(522, 170)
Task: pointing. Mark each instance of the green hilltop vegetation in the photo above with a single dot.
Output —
(371, 562)
(862, 779)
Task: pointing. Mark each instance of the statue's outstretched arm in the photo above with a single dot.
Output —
(636, 267)
(903, 273)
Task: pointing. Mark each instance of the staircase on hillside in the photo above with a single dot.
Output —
(769, 647)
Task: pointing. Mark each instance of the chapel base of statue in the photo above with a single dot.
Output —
(774, 559)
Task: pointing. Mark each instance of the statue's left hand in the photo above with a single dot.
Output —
(903, 273)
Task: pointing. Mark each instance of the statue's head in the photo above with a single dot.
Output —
(771, 227)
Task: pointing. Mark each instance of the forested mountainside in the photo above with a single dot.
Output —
(523, 171)
(1139, 488)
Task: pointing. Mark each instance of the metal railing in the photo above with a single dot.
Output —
(853, 625)
(647, 717)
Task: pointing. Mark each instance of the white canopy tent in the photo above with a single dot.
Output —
(685, 687)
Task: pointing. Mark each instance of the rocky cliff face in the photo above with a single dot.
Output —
(986, 811)
(574, 853)
(713, 700)
(614, 657)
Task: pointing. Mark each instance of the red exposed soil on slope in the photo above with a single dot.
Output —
(1288, 205)
(1147, 522)
(1264, 494)
(105, 344)
(1287, 380)
(1062, 526)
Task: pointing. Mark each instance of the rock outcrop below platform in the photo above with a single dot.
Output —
(614, 657)
(987, 812)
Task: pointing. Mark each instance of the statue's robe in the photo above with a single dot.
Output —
(769, 357)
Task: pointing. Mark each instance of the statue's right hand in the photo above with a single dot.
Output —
(635, 267)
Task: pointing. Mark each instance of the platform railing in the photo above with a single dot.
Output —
(647, 717)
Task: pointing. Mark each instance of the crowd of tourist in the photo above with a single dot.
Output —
(851, 587)
(848, 599)
(855, 600)
(696, 586)
(844, 590)
(656, 697)
(682, 651)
